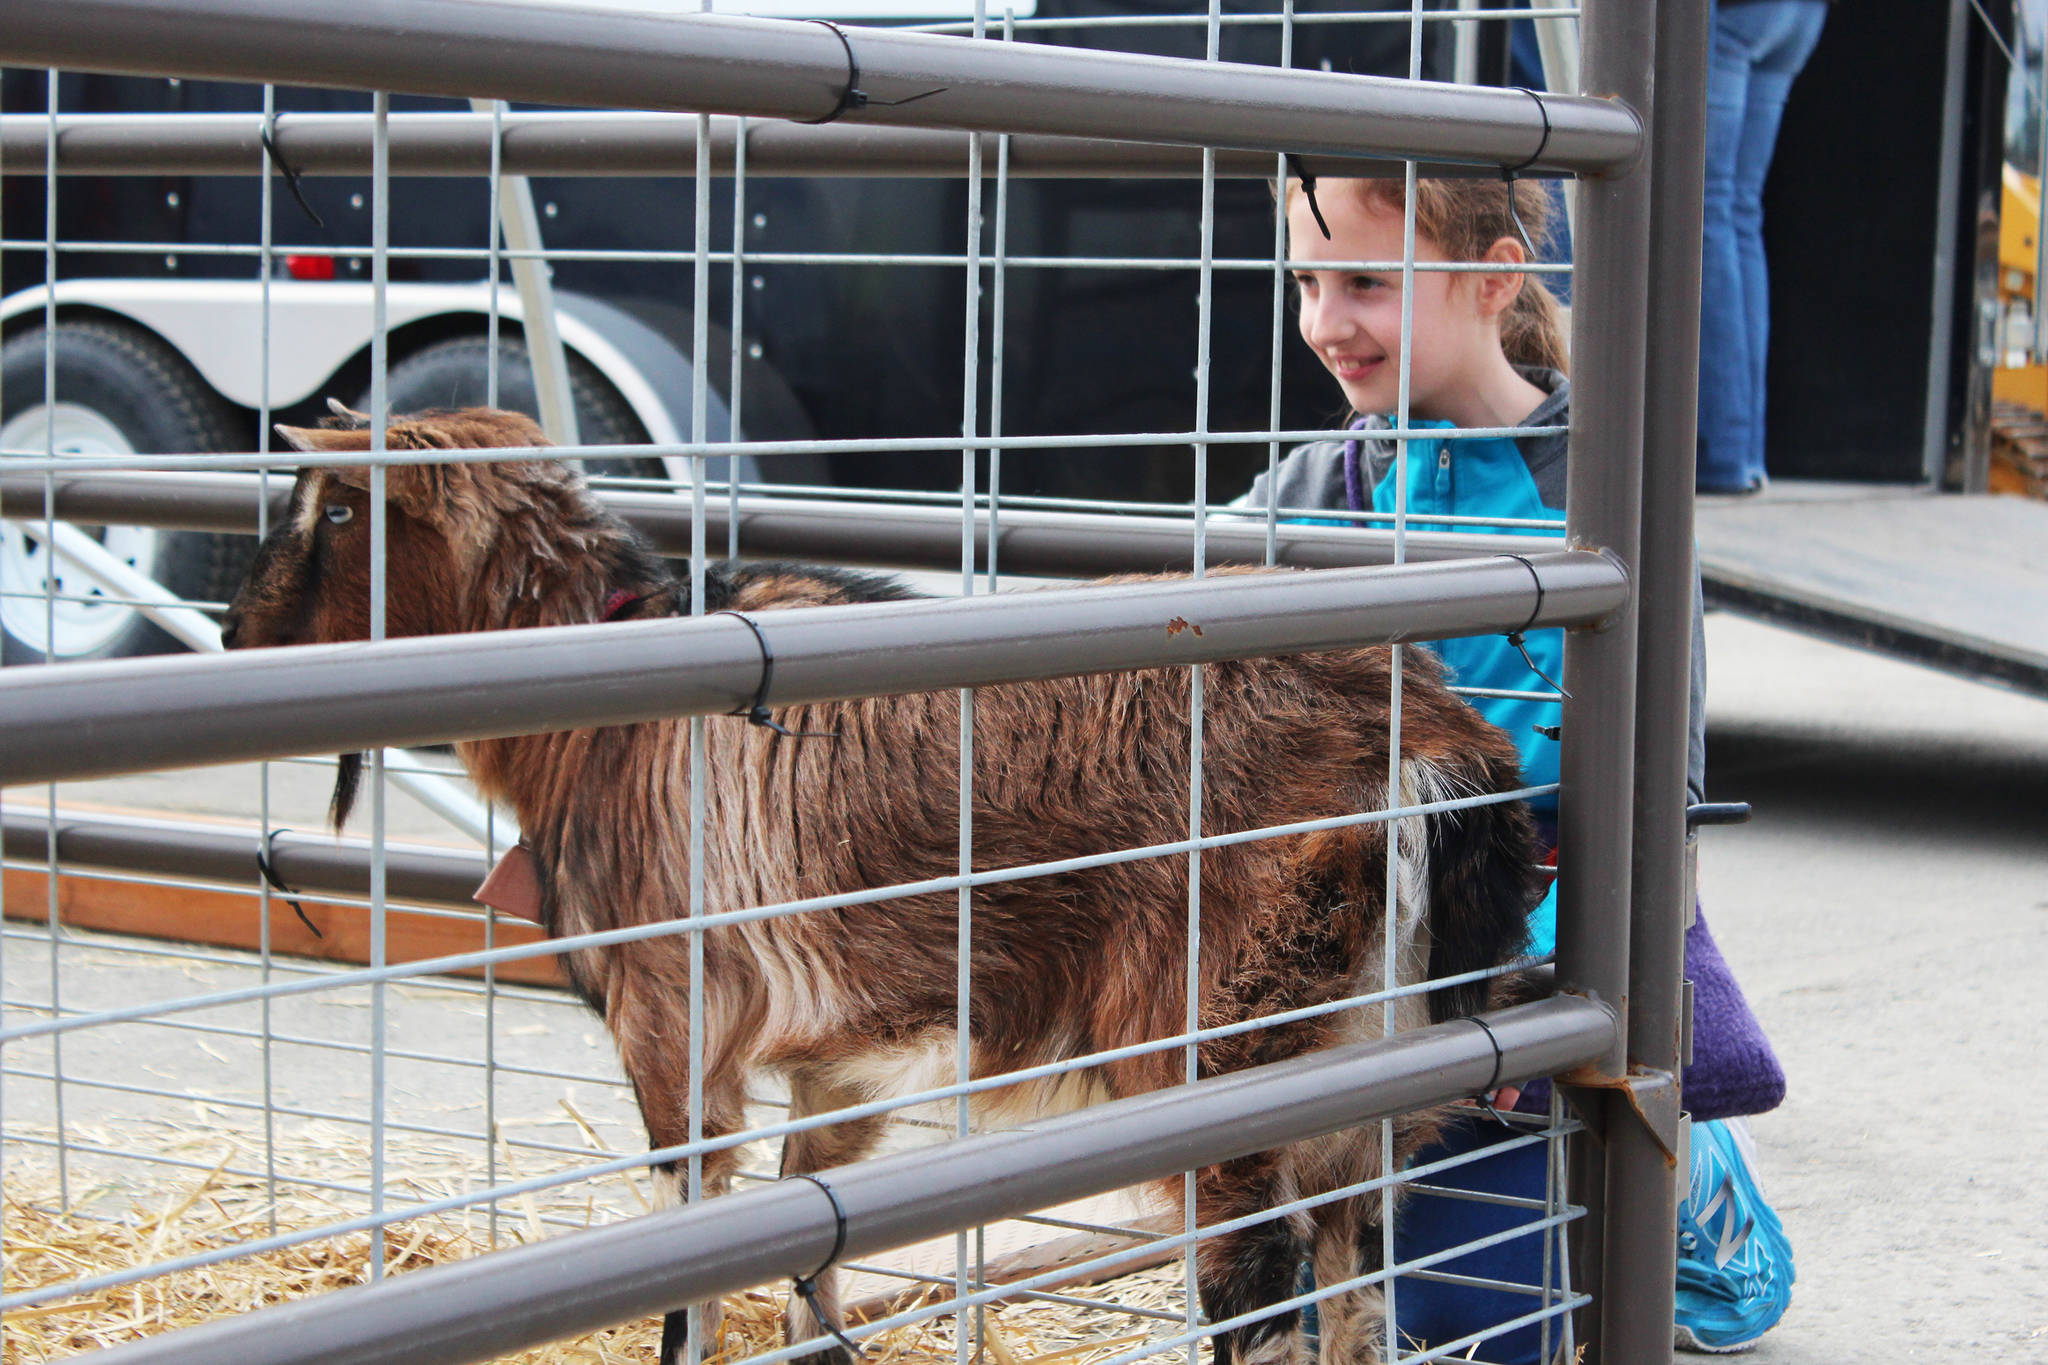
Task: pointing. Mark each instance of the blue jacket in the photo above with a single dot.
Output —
(1489, 477)
(1522, 479)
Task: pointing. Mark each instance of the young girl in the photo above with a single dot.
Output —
(1487, 351)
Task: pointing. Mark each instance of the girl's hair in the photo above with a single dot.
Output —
(1465, 217)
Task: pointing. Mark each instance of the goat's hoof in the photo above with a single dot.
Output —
(675, 1339)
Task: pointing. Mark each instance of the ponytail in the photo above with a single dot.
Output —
(1532, 330)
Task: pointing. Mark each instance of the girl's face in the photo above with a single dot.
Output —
(1352, 319)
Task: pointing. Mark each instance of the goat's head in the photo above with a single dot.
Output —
(310, 581)
(462, 540)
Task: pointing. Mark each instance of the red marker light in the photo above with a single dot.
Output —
(309, 267)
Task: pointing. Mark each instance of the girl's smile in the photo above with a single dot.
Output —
(1352, 369)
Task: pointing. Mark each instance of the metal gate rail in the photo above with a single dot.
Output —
(313, 864)
(1054, 544)
(773, 68)
(71, 721)
(578, 143)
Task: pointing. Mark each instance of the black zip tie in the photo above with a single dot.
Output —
(1485, 1096)
(1508, 173)
(1308, 190)
(852, 97)
(1519, 636)
(291, 177)
(807, 1285)
(269, 872)
(757, 711)
(1536, 155)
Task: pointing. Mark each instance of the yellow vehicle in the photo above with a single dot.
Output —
(2019, 386)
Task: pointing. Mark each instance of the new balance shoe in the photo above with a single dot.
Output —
(1735, 1267)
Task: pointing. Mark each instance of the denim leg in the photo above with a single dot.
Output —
(1727, 376)
(1759, 131)
(1758, 48)
(1434, 1312)
(1783, 45)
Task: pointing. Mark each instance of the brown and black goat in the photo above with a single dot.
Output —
(855, 1003)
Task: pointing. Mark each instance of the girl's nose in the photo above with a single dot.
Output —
(1326, 322)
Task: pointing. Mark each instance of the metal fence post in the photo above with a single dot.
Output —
(1643, 1191)
(1596, 806)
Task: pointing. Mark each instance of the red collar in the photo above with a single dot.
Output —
(618, 600)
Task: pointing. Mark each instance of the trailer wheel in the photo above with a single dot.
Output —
(119, 390)
(454, 374)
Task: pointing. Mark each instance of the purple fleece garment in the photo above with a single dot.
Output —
(1733, 1071)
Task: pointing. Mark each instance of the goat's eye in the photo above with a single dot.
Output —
(339, 515)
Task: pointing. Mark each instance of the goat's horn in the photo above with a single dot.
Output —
(298, 438)
(348, 414)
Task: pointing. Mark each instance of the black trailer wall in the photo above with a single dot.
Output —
(1851, 224)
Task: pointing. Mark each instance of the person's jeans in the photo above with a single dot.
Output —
(1758, 48)
(1435, 1311)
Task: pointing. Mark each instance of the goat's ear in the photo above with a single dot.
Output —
(317, 440)
(415, 490)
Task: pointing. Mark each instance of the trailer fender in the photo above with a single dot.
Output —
(316, 327)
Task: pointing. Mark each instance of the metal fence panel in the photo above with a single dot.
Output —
(385, 1062)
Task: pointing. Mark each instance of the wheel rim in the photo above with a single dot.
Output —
(82, 627)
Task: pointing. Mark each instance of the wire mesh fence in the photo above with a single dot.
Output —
(824, 912)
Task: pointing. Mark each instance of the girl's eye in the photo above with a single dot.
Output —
(339, 515)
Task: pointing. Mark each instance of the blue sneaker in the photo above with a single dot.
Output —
(1735, 1268)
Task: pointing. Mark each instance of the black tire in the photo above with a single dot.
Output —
(454, 374)
(150, 397)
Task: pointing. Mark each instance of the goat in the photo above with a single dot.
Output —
(854, 1003)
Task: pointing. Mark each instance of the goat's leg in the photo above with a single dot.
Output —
(819, 1149)
(669, 1179)
(661, 1083)
(1347, 1245)
(1254, 1267)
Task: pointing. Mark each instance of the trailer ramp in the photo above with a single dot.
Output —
(1958, 582)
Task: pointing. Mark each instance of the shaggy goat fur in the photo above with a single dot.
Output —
(855, 1003)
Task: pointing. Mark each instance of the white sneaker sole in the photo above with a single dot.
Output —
(1684, 1340)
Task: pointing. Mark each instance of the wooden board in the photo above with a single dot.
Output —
(1958, 582)
(230, 919)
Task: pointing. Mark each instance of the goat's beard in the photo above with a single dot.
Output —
(348, 775)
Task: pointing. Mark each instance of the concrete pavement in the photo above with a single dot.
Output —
(1887, 912)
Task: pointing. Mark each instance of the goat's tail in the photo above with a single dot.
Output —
(1483, 881)
(348, 776)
